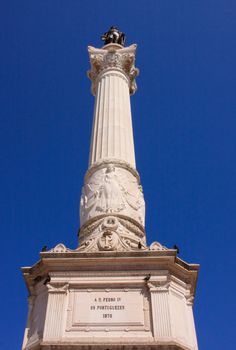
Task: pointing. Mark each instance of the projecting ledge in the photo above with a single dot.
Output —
(109, 258)
(154, 346)
(119, 263)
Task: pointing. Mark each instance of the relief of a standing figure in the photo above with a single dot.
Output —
(109, 195)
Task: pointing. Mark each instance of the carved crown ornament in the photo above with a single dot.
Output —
(116, 58)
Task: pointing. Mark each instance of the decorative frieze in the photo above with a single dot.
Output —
(112, 190)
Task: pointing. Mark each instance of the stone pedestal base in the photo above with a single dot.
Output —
(110, 301)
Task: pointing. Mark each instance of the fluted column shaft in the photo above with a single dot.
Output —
(112, 136)
(54, 315)
(160, 310)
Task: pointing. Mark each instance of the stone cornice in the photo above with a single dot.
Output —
(109, 260)
(140, 345)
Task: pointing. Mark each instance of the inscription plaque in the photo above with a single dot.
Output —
(113, 308)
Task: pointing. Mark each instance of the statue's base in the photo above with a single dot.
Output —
(112, 47)
(110, 301)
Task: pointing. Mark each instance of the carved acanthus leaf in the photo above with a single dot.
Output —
(113, 58)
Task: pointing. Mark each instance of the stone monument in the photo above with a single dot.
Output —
(113, 292)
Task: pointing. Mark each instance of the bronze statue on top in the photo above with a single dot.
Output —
(113, 36)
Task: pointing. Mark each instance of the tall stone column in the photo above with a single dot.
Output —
(112, 136)
(112, 292)
(112, 209)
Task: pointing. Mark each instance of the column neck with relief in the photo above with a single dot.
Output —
(112, 208)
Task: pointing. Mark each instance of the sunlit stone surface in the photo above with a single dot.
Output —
(113, 292)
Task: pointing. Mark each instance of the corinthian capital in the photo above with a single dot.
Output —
(113, 57)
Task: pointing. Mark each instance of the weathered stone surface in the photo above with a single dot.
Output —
(112, 300)
(113, 292)
(112, 186)
(112, 190)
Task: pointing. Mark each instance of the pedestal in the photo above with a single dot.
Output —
(110, 301)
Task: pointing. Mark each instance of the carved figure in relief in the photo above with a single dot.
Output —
(110, 197)
(113, 36)
(112, 191)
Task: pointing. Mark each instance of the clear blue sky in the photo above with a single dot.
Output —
(184, 127)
